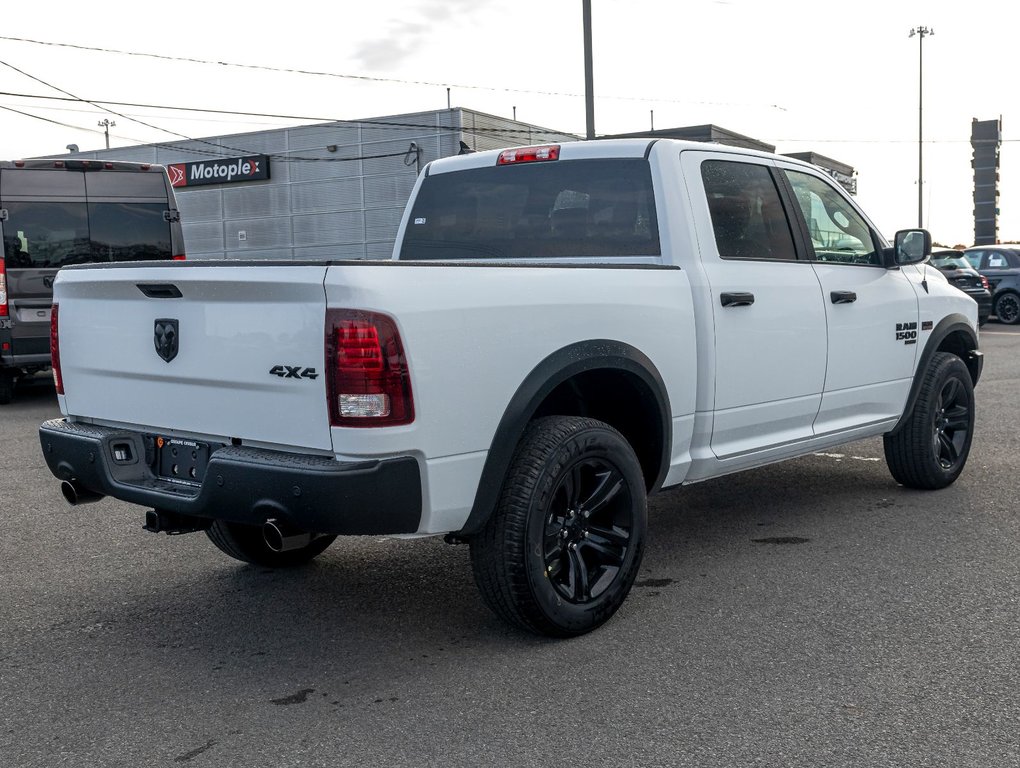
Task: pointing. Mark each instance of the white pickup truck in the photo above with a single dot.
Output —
(562, 331)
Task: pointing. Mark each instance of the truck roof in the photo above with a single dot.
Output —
(601, 148)
(56, 163)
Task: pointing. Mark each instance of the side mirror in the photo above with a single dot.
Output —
(911, 246)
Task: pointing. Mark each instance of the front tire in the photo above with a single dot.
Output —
(931, 448)
(1007, 308)
(247, 544)
(561, 551)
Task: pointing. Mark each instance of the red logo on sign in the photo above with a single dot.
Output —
(178, 178)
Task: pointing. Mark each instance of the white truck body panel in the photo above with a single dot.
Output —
(235, 322)
(474, 332)
(745, 385)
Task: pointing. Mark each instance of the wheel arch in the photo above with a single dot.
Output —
(955, 335)
(606, 380)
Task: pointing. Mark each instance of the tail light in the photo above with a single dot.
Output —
(5, 310)
(368, 383)
(179, 257)
(529, 155)
(984, 282)
(55, 350)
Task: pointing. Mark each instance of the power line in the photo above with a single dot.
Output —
(48, 120)
(367, 123)
(84, 110)
(370, 78)
(278, 158)
(220, 149)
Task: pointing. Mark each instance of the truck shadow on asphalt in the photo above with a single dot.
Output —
(381, 592)
(371, 619)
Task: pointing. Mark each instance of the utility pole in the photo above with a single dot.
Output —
(106, 125)
(589, 96)
(920, 33)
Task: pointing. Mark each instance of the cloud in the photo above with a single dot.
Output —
(402, 41)
(403, 37)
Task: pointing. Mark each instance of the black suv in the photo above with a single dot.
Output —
(1001, 265)
(961, 274)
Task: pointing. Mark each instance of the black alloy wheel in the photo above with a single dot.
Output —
(1007, 308)
(952, 423)
(588, 530)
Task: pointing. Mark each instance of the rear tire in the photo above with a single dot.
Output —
(563, 547)
(931, 448)
(6, 386)
(1007, 308)
(246, 543)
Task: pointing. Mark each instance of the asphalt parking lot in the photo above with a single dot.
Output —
(811, 613)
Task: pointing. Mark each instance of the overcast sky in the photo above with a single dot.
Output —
(838, 79)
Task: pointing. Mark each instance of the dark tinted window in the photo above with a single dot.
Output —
(46, 234)
(949, 260)
(129, 231)
(747, 215)
(560, 208)
(1001, 258)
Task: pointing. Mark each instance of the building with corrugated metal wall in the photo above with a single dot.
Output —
(323, 191)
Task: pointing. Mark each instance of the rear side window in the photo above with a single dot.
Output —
(556, 209)
(748, 218)
(1002, 259)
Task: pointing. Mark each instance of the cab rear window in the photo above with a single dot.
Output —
(560, 209)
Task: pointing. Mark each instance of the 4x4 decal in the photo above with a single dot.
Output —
(293, 372)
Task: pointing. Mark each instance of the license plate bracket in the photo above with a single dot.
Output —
(181, 460)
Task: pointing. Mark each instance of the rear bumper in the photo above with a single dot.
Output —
(23, 361)
(244, 485)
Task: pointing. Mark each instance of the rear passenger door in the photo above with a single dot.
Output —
(769, 340)
(871, 313)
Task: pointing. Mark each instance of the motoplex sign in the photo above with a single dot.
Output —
(219, 171)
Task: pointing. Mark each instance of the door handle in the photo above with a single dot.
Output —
(843, 297)
(737, 299)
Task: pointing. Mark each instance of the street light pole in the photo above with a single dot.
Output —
(106, 125)
(589, 96)
(920, 33)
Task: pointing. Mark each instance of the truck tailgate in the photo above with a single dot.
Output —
(249, 353)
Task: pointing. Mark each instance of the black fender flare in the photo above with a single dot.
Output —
(560, 366)
(974, 360)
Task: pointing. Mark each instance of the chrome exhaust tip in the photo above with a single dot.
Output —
(281, 536)
(75, 494)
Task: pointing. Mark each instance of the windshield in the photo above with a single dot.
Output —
(556, 209)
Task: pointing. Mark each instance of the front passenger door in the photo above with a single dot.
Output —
(871, 312)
